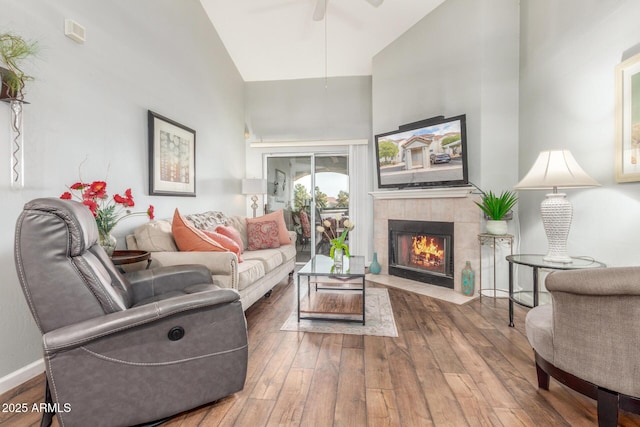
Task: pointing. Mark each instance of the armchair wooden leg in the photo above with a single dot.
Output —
(543, 378)
(607, 408)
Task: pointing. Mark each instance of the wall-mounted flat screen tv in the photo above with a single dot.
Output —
(428, 153)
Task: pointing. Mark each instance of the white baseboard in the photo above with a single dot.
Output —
(23, 374)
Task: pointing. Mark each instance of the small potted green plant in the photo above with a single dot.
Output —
(13, 50)
(496, 207)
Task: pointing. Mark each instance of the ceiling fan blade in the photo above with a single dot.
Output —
(321, 8)
(375, 3)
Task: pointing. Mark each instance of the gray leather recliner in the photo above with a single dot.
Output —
(123, 349)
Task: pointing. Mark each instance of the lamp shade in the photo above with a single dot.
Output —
(555, 169)
(254, 186)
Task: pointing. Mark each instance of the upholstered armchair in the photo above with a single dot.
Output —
(121, 349)
(589, 339)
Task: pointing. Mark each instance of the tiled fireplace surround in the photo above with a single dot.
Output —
(446, 205)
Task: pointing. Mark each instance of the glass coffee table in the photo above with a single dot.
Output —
(329, 286)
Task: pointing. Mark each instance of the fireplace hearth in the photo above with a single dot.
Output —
(453, 204)
(422, 251)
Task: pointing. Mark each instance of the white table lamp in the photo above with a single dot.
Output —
(553, 170)
(254, 186)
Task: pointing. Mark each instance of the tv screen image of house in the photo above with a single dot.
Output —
(428, 153)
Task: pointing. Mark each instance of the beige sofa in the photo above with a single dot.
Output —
(253, 278)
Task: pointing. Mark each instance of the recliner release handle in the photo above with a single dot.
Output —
(176, 333)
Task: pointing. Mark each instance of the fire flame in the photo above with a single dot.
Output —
(427, 250)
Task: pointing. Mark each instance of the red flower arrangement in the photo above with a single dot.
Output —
(107, 211)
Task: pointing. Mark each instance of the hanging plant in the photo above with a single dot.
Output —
(13, 51)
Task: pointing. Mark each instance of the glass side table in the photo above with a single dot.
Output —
(537, 262)
(493, 240)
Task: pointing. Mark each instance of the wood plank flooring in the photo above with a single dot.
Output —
(450, 366)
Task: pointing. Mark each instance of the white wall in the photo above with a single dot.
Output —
(312, 110)
(90, 102)
(309, 109)
(460, 59)
(568, 53)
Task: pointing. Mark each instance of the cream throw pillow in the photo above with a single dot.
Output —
(155, 236)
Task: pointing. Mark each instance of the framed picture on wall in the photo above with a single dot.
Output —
(172, 157)
(628, 120)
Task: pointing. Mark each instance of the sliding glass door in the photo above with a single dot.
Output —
(313, 191)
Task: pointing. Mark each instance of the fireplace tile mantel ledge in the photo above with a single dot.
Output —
(423, 193)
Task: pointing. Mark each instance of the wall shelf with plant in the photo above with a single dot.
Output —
(13, 51)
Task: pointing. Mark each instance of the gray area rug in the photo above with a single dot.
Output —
(378, 315)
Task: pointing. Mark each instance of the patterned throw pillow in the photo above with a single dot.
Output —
(207, 220)
(278, 217)
(263, 235)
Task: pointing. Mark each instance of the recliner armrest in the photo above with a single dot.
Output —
(149, 283)
(83, 333)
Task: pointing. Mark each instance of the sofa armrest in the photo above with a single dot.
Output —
(223, 265)
(147, 283)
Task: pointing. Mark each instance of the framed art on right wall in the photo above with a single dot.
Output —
(628, 120)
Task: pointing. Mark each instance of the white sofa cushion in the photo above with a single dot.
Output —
(288, 252)
(271, 258)
(249, 272)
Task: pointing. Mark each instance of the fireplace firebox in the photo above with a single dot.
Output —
(422, 251)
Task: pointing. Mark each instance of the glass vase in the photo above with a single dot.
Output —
(374, 267)
(107, 241)
(338, 254)
(468, 275)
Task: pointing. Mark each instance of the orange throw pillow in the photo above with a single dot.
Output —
(190, 239)
(226, 242)
(278, 217)
(231, 233)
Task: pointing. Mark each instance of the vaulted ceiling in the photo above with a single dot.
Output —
(280, 40)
